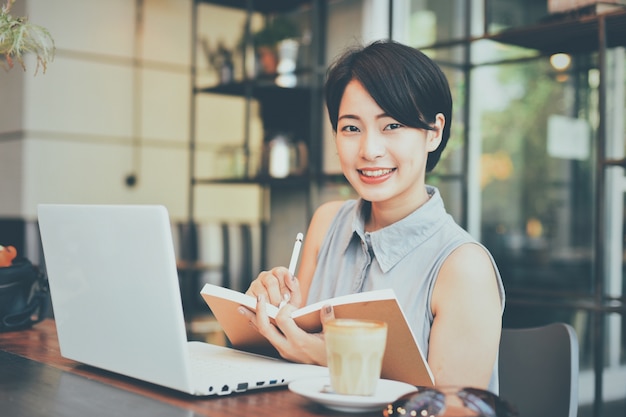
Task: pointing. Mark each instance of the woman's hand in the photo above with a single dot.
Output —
(291, 342)
(272, 285)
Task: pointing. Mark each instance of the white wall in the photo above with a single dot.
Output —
(112, 104)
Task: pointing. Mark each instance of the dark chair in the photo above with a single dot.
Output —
(538, 370)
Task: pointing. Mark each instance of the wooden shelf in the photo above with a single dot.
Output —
(185, 266)
(572, 33)
(616, 162)
(295, 180)
(263, 6)
(259, 88)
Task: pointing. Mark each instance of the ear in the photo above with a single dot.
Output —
(434, 136)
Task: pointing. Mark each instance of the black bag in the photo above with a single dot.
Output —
(23, 295)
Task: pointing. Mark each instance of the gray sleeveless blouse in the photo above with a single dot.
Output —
(405, 256)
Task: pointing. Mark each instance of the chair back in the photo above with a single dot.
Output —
(538, 370)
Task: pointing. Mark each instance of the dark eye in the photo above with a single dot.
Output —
(392, 126)
(349, 128)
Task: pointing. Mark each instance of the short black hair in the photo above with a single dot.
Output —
(403, 81)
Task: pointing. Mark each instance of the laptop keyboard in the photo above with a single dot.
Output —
(216, 359)
(207, 365)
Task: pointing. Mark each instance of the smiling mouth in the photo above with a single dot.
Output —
(376, 172)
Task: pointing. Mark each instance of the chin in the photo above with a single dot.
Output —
(374, 197)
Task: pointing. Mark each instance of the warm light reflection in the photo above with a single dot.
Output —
(534, 228)
(560, 62)
(496, 166)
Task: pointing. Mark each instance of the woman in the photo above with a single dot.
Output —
(390, 108)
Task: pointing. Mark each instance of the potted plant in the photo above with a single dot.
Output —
(18, 36)
(266, 42)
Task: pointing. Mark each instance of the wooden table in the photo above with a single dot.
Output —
(36, 381)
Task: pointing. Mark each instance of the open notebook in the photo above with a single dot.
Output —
(117, 305)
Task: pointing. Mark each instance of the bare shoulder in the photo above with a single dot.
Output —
(327, 211)
(322, 218)
(472, 260)
(468, 272)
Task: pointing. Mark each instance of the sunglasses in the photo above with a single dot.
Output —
(449, 401)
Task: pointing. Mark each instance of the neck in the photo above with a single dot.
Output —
(384, 213)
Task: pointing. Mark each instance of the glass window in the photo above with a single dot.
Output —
(537, 172)
(532, 132)
(448, 175)
(424, 22)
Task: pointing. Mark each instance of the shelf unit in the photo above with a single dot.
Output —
(262, 6)
(582, 31)
(296, 110)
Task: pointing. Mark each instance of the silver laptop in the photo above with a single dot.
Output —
(117, 304)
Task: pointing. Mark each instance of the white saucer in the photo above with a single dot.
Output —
(316, 389)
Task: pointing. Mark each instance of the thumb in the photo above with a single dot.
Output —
(327, 314)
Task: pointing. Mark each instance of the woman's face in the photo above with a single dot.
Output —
(384, 160)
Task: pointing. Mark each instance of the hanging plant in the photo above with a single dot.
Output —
(18, 36)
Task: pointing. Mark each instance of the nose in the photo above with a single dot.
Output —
(372, 146)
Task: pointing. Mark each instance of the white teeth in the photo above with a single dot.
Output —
(376, 173)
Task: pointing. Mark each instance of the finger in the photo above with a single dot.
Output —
(268, 284)
(261, 311)
(274, 282)
(249, 315)
(272, 332)
(252, 291)
(285, 322)
(298, 345)
(288, 328)
(286, 299)
(295, 295)
(256, 286)
(327, 314)
(262, 320)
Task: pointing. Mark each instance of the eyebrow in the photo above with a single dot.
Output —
(355, 117)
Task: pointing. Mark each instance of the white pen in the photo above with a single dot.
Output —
(292, 264)
(295, 254)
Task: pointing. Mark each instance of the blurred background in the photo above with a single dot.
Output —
(215, 110)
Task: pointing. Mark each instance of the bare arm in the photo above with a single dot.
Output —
(465, 335)
(316, 233)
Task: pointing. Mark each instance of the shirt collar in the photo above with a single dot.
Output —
(392, 243)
